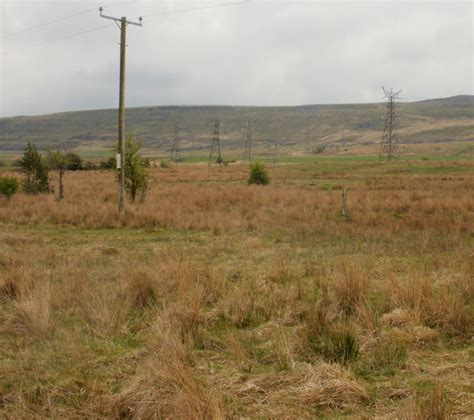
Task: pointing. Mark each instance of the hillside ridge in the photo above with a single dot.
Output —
(427, 121)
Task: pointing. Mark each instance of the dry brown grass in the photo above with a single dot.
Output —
(34, 311)
(269, 306)
(167, 386)
(443, 306)
(428, 405)
(384, 208)
(305, 391)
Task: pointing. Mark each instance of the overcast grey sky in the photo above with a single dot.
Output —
(256, 53)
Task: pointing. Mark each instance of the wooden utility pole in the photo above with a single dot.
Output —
(121, 122)
(123, 40)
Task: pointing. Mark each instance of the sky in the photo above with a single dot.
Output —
(258, 52)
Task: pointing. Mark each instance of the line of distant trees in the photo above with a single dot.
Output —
(35, 169)
(71, 161)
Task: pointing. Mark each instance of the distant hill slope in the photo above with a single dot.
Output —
(429, 121)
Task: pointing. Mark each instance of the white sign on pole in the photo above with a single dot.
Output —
(118, 159)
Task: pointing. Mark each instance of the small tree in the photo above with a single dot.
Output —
(258, 174)
(35, 171)
(136, 169)
(59, 161)
(74, 162)
(8, 186)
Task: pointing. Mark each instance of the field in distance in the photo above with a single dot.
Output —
(216, 299)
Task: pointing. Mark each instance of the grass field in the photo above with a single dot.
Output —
(219, 300)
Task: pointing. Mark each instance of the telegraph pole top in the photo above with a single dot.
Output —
(128, 22)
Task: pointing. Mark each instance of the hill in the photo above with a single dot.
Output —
(346, 125)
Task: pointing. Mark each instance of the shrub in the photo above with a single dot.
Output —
(91, 166)
(258, 174)
(164, 164)
(319, 149)
(110, 163)
(35, 171)
(74, 162)
(136, 168)
(8, 186)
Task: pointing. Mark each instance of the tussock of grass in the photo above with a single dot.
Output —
(438, 306)
(33, 312)
(430, 404)
(167, 385)
(324, 386)
(141, 288)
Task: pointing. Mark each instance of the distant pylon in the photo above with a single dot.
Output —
(306, 139)
(389, 143)
(175, 146)
(247, 137)
(272, 151)
(216, 145)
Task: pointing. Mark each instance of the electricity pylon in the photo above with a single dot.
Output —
(175, 146)
(389, 143)
(247, 135)
(216, 145)
(272, 151)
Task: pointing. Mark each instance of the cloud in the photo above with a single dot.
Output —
(259, 53)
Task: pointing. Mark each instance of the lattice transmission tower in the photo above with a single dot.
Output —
(175, 152)
(272, 151)
(389, 143)
(247, 135)
(216, 145)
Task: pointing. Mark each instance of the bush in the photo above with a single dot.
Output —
(110, 163)
(136, 168)
(258, 174)
(74, 162)
(8, 186)
(91, 166)
(35, 171)
(164, 164)
(319, 149)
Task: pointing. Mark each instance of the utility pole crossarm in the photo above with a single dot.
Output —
(128, 22)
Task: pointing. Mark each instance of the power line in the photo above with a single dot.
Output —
(59, 39)
(47, 23)
(51, 22)
(106, 26)
(196, 8)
